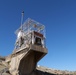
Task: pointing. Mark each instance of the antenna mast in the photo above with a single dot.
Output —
(22, 20)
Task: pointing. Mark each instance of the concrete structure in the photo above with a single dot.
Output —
(4, 70)
(24, 61)
(29, 49)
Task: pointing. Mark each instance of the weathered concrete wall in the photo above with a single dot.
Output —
(14, 63)
(23, 61)
(38, 72)
(27, 65)
(48, 71)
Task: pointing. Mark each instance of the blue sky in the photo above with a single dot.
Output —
(59, 17)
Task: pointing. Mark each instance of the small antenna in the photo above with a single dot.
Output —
(22, 20)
